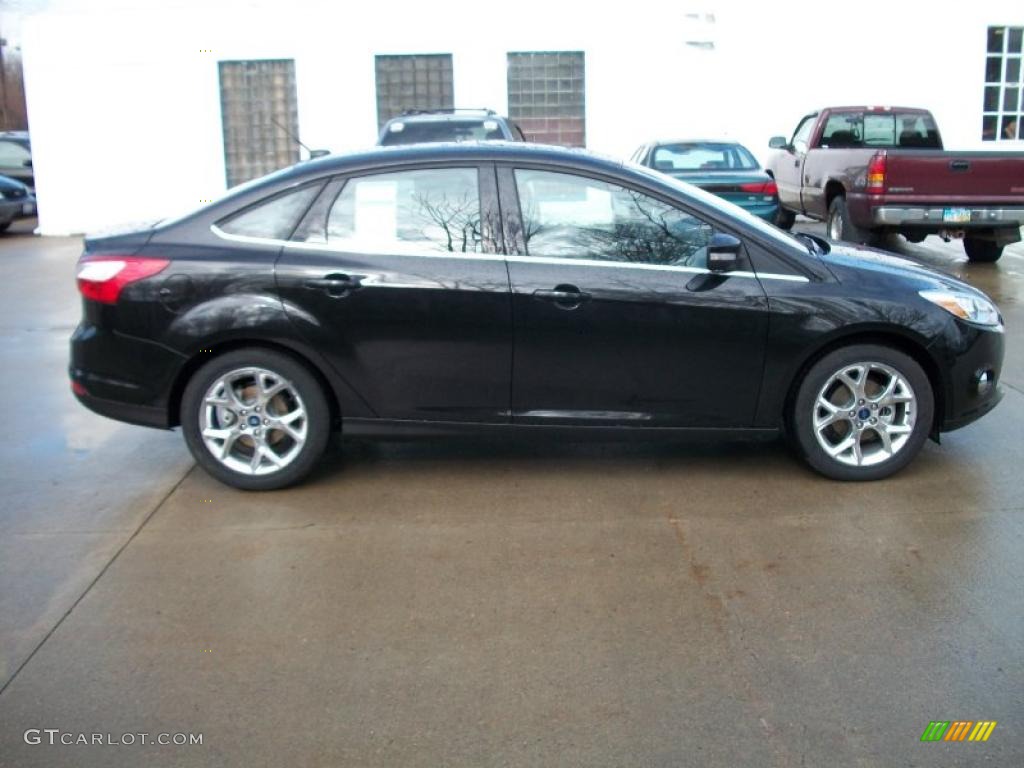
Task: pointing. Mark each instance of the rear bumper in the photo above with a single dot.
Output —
(122, 377)
(932, 218)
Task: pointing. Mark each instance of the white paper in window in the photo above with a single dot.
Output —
(376, 211)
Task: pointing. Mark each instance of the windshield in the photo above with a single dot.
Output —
(703, 156)
(418, 132)
(729, 209)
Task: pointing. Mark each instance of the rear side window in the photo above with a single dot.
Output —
(430, 211)
(273, 219)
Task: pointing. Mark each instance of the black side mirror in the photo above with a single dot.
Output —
(778, 142)
(724, 252)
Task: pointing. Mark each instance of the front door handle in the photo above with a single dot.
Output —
(564, 296)
(335, 285)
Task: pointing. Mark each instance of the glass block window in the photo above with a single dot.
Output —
(546, 96)
(1003, 106)
(259, 110)
(418, 81)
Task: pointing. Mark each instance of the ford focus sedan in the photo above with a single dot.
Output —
(500, 289)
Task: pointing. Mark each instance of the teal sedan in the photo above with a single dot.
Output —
(724, 168)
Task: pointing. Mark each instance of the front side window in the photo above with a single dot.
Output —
(431, 211)
(566, 216)
(803, 134)
(273, 219)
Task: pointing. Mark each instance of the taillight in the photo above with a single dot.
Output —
(876, 175)
(760, 187)
(101, 278)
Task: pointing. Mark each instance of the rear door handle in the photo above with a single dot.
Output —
(564, 296)
(336, 285)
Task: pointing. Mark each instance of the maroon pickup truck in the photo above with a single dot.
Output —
(869, 171)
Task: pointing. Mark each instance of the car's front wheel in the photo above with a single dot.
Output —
(255, 419)
(862, 412)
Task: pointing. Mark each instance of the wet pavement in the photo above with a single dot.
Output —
(496, 604)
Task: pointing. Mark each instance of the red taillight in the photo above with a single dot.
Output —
(876, 175)
(760, 187)
(101, 278)
(79, 389)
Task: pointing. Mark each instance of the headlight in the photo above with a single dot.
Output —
(966, 306)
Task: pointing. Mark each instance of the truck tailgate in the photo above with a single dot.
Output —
(953, 177)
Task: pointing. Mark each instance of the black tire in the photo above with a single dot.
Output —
(841, 227)
(805, 410)
(982, 251)
(913, 236)
(785, 219)
(310, 397)
(4, 226)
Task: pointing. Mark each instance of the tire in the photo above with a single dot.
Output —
(913, 236)
(982, 251)
(4, 226)
(784, 219)
(841, 227)
(287, 390)
(860, 453)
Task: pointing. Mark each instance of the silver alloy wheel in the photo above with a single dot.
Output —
(253, 421)
(864, 414)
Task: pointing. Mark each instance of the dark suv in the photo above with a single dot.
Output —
(420, 126)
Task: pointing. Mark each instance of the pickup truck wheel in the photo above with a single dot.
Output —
(784, 219)
(982, 251)
(840, 227)
(862, 412)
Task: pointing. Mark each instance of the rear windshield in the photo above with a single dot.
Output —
(881, 129)
(703, 156)
(413, 132)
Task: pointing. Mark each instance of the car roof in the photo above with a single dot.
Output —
(873, 108)
(660, 142)
(436, 117)
(444, 151)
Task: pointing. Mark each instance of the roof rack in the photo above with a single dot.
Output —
(445, 111)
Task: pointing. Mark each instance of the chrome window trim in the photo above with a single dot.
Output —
(519, 259)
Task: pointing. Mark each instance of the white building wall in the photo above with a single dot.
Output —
(124, 107)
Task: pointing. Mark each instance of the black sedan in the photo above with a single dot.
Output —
(514, 289)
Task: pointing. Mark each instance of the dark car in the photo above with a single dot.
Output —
(16, 202)
(506, 289)
(725, 168)
(16, 157)
(871, 171)
(423, 126)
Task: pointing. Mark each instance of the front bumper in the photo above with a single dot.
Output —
(973, 368)
(981, 217)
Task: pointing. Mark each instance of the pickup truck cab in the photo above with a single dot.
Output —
(871, 171)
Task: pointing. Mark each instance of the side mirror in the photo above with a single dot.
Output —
(778, 142)
(723, 252)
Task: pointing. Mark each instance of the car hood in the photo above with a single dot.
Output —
(869, 268)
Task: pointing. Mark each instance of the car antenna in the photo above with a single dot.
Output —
(313, 153)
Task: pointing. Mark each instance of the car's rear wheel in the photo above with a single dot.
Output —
(255, 419)
(784, 219)
(862, 412)
(981, 250)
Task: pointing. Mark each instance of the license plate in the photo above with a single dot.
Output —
(28, 209)
(956, 215)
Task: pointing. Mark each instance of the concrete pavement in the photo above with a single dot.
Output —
(496, 604)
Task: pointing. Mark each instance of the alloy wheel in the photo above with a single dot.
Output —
(253, 421)
(864, 414)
